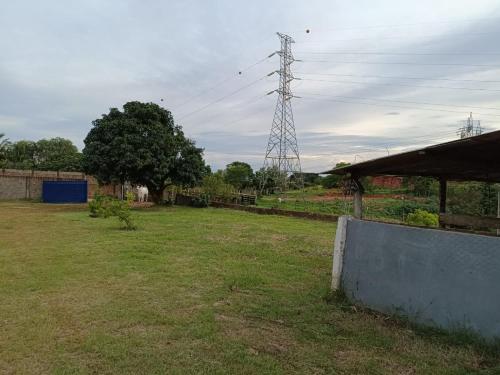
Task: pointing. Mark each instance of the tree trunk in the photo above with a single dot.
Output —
(156, 195)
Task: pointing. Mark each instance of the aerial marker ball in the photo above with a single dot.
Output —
(308, 31)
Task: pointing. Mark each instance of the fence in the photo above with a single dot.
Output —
(276, 211)
(434, 277)
(27, 184)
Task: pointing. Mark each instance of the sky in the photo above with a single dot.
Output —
(375, 77)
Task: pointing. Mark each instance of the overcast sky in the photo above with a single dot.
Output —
(378, 77)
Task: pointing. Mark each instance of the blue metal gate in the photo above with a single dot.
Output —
(64, 191)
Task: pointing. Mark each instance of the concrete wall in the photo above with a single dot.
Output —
(441, 278)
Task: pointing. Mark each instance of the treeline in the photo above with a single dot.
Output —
(240, 176)
(55, 154)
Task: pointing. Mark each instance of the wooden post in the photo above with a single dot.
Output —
(338, 252)
(442, 198)
(358, 200)
(442, 195)
(498, 210)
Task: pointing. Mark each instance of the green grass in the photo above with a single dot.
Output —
(193, 291)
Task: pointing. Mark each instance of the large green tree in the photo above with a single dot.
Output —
(239, 174)
(57, 154)
(22, 155)
(142, 145)
(333, 180)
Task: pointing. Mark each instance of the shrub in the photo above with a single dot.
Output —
(422, 218)
(403, 207)
(215, 187)
(99, 206)
(201, 201)
(105, 206)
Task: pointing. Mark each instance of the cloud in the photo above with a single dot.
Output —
(62, 67)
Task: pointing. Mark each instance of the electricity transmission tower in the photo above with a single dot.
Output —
(470, 128)
(282, 161)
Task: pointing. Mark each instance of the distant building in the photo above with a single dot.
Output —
(390, 182)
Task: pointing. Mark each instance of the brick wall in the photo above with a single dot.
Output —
(26, 184)
(392, 182)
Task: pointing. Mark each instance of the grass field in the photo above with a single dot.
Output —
(194, 291)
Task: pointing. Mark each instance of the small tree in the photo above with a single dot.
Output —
(239, 174)
(215, 187)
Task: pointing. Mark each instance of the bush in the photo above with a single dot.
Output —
(215, 187)
(99, 206)
(105, 206)
(200, 202)
(422, 218)
(331, 181)
(403, 207)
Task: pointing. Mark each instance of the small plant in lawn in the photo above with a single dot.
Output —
(105, 206)
(99, 205)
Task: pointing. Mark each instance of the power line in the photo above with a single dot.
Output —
(397, 106)
(385, 26)
(222, 98)
(245, 104)
(399, 37)
(221, 83)
(399, 53)
(405, 101)
(401, 77)
(403, 84)
(398, 63)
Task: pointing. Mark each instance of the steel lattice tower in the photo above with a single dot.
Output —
(282, 160)
(470, 128)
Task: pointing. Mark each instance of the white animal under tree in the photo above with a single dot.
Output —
(142, 193)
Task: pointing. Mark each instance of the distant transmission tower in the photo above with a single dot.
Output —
(282, 161)
(470, 128)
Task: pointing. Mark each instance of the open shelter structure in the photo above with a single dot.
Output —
(442, 278)
(470, 159)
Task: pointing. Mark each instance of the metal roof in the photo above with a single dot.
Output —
(469, 159)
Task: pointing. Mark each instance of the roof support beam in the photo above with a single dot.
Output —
(443, 188)
(358, 200)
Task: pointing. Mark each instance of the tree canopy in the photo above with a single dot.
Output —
(56, 154)
(239, 174)
(4, 146)
(333, 180)
(142, 145)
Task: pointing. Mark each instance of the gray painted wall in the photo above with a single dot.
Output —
(446, 279)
